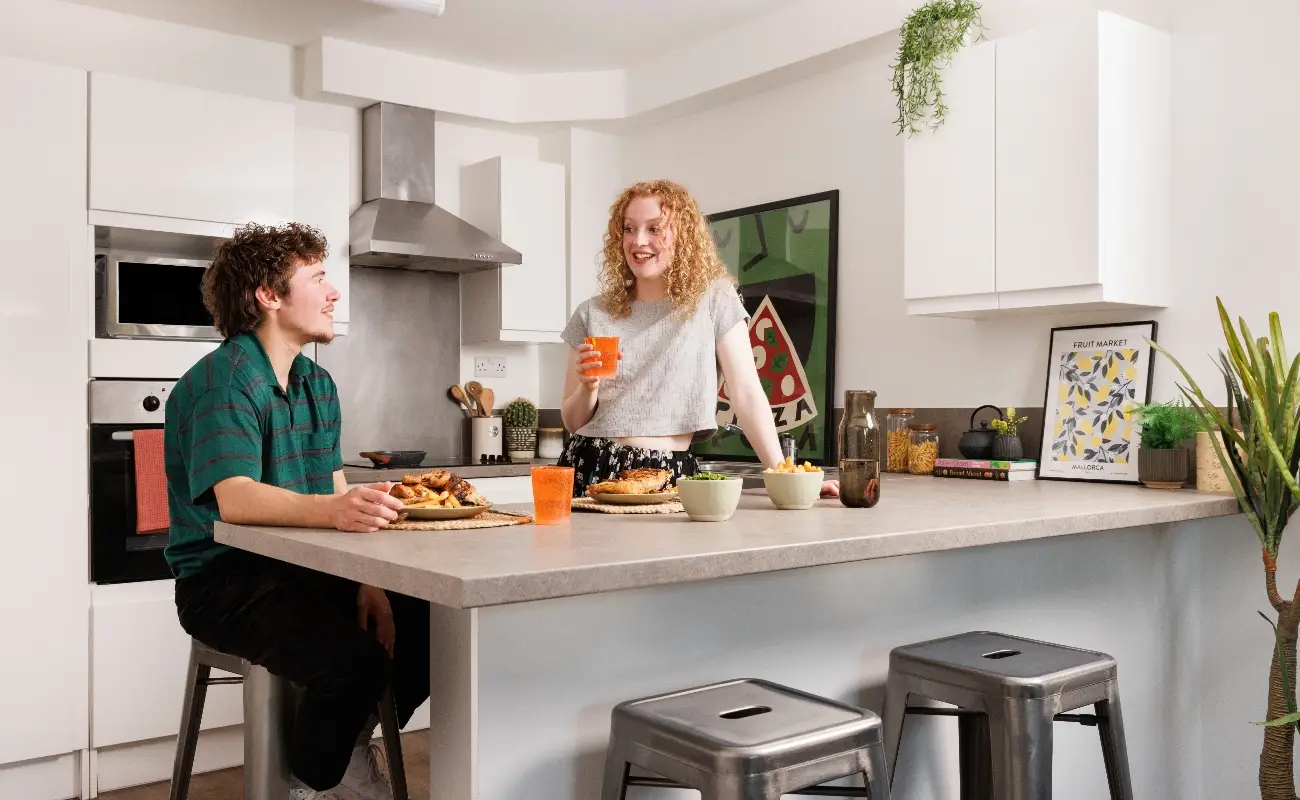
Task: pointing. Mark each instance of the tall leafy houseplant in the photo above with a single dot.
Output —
(1261, 458)
(929, 38)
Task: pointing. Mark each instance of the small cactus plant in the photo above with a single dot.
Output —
(521, 413)
(521, 428)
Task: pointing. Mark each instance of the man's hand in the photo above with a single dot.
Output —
(376, 615)
(830, 488)
(365, 509)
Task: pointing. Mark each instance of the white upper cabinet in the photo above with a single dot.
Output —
(948, 198)
(1079, 178)
(171, 151)
(523, 203)
(323, 200)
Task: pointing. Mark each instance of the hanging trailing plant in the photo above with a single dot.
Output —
(929, 38)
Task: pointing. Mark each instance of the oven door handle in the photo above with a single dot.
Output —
(123, 436)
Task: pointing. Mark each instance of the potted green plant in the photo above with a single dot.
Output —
(1260, 455)
(928, 39)
(1162, 459)
(1007, 445)
(521, 428)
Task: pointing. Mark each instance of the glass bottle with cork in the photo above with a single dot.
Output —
(859, 453)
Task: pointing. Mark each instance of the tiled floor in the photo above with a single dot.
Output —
(228, 784)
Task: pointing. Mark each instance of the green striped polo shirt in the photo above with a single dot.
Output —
(227, 417)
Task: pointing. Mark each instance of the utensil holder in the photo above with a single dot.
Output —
(485, 436)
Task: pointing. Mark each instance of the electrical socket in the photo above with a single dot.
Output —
(489, 367)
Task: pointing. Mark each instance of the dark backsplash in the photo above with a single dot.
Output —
(952, 422)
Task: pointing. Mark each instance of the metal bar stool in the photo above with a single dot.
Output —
(268, 714)
(1008, 691)
(745, 740)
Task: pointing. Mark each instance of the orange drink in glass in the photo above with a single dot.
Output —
(552, 495)
(607, 354)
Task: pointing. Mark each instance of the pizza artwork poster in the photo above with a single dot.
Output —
(783, 256)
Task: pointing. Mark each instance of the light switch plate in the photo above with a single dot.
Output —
(489, 367)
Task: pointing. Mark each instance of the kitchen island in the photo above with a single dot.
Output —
(540, 631)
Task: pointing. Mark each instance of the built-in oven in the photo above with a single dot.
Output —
(120, 410)
(143, 295)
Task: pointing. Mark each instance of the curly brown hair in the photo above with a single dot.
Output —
(695, 263)
(256, 256)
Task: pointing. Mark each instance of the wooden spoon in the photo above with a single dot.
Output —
(486, 398)
(458, 394)
(475, 390)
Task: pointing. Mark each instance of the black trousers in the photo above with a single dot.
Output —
(302, 625)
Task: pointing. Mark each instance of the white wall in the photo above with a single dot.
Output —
(834, 131)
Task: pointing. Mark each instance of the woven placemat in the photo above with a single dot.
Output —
(488, 519)
(590, 504)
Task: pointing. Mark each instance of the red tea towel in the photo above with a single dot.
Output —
(150, 482)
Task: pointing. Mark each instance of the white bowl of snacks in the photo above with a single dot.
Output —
(793, 487)
(709, 496)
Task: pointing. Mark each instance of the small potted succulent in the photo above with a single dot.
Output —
(1007, 446)
(1162, 459)
(521, 428)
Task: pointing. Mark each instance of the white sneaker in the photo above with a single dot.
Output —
(367, 775)
(301, 791)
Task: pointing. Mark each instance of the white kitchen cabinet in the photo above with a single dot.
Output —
(948, 199)
(139, 662)
(174, 151)
(523, 203)
(322, 199)
(1080, 175)
(503, 491)
(46, 303)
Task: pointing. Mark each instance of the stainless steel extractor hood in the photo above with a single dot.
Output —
(397, 225)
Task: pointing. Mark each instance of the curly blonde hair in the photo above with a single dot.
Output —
(695, 263)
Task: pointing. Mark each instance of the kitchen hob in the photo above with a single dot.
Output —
(360, 471)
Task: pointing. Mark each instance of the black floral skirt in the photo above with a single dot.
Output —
(596, 460)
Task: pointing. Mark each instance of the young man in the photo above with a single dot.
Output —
(252, 436)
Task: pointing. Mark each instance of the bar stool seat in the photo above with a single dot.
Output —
(1008, 692)
(268, 713)
(745, 740)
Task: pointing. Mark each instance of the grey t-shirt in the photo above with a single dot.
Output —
(667, 382)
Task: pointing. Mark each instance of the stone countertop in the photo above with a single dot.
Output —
(470, 472)
(605, 552)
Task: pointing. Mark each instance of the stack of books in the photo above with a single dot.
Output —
(1020, 470)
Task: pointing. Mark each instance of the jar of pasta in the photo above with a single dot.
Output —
(897, 438)
(922, 448)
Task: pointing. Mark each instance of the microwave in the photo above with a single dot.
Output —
(149, 296)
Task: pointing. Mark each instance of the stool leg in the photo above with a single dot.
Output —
(1020, 739)
(1114, 749)
(876, 778)
(617, 767)
(392, 744)
(266, 754)
(196, 694)
(974, 757)
(894, 712)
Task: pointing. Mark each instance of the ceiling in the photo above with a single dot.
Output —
(510, 35)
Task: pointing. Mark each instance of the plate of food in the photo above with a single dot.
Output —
(635, 487)
(439, 495)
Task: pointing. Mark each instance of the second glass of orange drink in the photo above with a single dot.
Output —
(552, 495)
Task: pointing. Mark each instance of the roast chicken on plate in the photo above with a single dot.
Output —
(634, 481)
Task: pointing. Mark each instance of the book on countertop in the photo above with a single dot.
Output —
(984, 473)
(1019, 465)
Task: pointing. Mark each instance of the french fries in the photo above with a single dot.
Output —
(442, 499)
(789, 466)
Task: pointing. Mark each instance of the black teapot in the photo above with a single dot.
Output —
(977, 443)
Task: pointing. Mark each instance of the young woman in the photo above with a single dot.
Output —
(669, 298)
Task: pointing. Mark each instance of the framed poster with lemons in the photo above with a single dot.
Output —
(1096, 376)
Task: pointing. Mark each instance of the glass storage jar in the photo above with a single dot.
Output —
(923, 448)
(897, 438)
